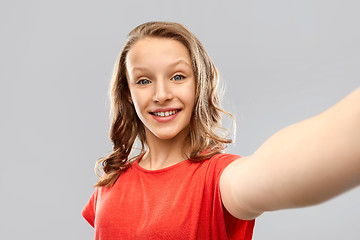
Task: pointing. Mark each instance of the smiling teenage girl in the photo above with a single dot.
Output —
(162, 89)
(181, 185)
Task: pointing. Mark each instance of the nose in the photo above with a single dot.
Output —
(162, 92)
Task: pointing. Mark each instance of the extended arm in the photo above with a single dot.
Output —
(304, 164)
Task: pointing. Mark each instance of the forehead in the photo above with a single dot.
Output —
(154, 52)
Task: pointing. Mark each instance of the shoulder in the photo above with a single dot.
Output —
(222, 160)
(213, 167)
(226, 157)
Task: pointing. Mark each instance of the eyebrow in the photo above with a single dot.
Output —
(173, 64)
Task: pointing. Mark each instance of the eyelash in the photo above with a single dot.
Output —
(182, 77)
(141, 81)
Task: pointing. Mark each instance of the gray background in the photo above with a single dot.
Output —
(281, 61)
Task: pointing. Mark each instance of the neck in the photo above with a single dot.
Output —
(163, 153)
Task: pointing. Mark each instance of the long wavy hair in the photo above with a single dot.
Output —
(126, 126)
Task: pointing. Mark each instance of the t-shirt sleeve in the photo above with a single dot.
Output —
(223, 161)
(235, 228)
(90, 208)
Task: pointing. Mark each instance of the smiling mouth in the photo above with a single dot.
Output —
(165, 113)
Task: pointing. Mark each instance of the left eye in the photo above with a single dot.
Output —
(178, 77)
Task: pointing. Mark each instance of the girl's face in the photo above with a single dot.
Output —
(162, 86)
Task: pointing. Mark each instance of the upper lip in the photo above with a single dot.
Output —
(165, 110)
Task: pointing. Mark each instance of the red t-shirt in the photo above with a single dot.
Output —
(178, 202)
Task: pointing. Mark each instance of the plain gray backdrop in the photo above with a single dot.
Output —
(281, 61)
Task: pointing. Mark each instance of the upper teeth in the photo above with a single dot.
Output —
(165, 114)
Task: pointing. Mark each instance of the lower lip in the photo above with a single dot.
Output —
(165, 119)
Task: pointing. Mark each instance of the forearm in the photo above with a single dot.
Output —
(313, 160)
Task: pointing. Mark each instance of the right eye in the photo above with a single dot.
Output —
(143, 82)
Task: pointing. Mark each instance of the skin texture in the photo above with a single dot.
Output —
(303, 164)
(160, 77)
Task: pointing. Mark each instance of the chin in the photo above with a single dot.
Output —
(169, 133)
(166, 136)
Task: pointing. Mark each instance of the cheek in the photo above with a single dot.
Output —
(190, 96)
(139, 103)
(137, 106)
(139, 113)
(191, 100)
